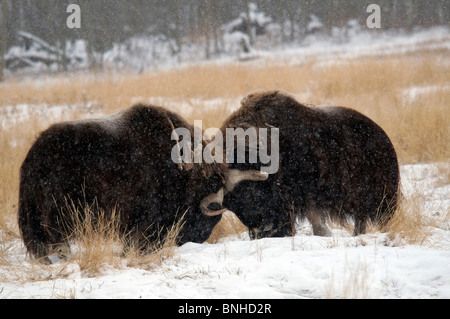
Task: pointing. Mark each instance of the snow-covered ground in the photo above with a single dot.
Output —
(304, 266)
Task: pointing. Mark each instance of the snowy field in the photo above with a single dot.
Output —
(304, 266)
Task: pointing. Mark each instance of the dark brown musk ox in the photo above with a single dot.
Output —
(333, 161)
(118, 163)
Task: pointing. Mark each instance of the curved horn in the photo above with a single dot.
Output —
(235, 176)
(212, 198)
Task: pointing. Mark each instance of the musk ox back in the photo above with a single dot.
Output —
(123, 163)
(334, 162)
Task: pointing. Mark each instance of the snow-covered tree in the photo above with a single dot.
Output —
(242, 31)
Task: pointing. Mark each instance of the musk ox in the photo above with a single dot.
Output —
(333, 161)
(123, 163)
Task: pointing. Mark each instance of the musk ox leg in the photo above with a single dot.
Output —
(34, 234)
(60, 251)
(63, 251)
(360, 226)
(261, 232)
(319, 226)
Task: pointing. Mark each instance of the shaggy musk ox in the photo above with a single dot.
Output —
(333, 161)
(123, 163)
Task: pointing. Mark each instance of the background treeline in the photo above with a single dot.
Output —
(105, 22)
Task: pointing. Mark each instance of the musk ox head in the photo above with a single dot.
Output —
(202, 218)
(207, 197)
(256, 202)
(253, 195)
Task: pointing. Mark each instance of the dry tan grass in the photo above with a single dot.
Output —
(228, 226)
(161, 249)
(419, 127)
(96, 236)
(409, 224)
(96, 242)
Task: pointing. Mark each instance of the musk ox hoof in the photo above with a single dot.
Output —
(318, 224)
(322, 231)
(59, 253)
(45, 261)
(360, 228)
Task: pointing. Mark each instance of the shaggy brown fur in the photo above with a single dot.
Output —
(333, 161)
(122, 162)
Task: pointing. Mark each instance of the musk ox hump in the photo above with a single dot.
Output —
(259, 99)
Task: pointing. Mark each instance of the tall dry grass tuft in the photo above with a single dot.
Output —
(409, 224)
(160, 250)
(95, 234)
(99, 241)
